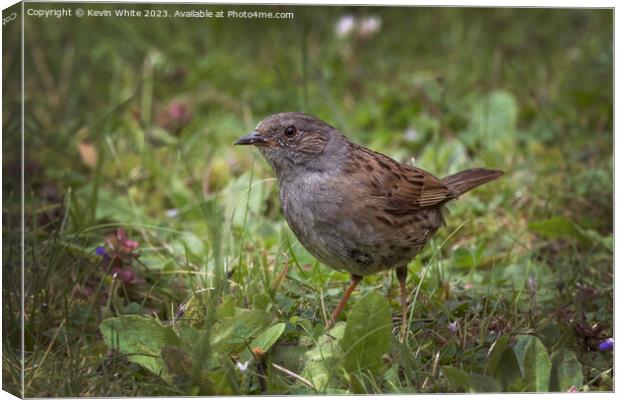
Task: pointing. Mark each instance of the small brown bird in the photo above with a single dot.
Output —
(354, 209)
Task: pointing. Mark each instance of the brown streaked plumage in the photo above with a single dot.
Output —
(354, 209)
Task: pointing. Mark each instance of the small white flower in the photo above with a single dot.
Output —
(243, 366)
(173, 212)
(345, 25)
(453, 327)
(369, 26)
(531, 283)
(411, 134)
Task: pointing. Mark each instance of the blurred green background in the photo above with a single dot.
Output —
(129, 123)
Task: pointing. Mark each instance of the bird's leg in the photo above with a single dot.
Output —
(401, 274)
(355, 279)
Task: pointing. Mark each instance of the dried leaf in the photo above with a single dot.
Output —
(88, 153)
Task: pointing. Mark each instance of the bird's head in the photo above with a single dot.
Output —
(291, 140)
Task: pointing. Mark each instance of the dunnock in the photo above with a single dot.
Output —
(354, 209)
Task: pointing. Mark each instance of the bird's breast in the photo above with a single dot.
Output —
(338, 223)
(315, 213)
(319, 212)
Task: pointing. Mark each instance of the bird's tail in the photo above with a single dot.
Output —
(464, 181)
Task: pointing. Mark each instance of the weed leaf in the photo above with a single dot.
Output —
(367, 336)
(269, 337)
(239, 330)
(558, 227)
(502, 364)
(457, 379)
(324, 359)
(140, 339)
(494, 122)
(483, 384)
(534, 364)
(566, 371)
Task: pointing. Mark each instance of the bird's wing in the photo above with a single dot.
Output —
(397, 188)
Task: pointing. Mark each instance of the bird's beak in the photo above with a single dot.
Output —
(252, 138)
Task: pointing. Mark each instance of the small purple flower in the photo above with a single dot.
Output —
(100, 251)
(607, 344)
(181, 311)
(453, 327)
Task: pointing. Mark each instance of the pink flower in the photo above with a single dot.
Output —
(118, 257)
(369, 26)
(173, 116)
(121, 244)
(177, 110)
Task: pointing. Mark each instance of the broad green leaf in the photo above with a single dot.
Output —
(457, 379)
(497, 113)
(322, 361)
(261, 301)
(263, 342)
(506, 369)
(140, 339)
(493, 125)
(193, 243)
(269, 337)
(566, 371)
(496, 353)
(483, 384)
(558, 227)
(233, 333)
(189, 336)
(534, 364)
(368, 334)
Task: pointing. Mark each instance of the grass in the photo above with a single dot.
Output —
(129, 125)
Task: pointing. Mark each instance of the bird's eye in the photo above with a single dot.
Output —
(290, 131)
